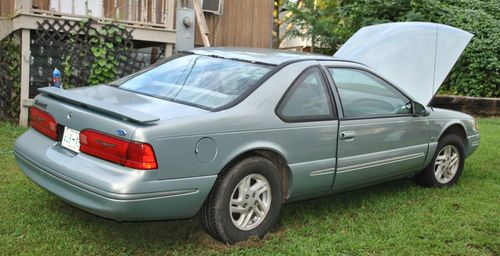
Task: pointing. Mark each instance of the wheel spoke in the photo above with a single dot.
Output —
(453, 171)
(439, 173)
(259, 184)
(259, 188)
(242, 189)
(246, 219)
(259, 212)
(247, 182)
(237, 201)
(260, 204)
(455, 156)
(454, 160)
(447, 151)
(241, 219)
(440, 164)
(237, 209)
(441, 158)
(446, 174)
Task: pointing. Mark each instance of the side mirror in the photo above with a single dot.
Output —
(420, 110)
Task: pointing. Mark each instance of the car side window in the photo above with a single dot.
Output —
(307, 99)
(365, 95)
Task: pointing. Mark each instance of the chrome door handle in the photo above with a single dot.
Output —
(347, 135)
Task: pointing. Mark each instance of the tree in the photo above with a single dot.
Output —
(329, 23)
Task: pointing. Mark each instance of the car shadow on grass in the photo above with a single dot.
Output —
(158, 236)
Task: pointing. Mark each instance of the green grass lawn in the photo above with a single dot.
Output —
(397, 218)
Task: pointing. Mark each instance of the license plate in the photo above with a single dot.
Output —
(71, 139)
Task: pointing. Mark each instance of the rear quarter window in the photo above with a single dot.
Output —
(307, 99)
(203, 81)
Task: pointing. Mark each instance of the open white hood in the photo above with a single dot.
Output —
(415, 56)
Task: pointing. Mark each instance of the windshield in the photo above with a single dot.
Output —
(202, 81)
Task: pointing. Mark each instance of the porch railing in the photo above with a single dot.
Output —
(132, 12)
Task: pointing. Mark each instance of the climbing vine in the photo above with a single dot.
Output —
(106, 53)
(10, 74)
(97, 56)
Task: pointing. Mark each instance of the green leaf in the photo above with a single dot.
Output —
(101, 62)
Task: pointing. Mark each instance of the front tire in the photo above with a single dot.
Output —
(447, 164)
(245, 201)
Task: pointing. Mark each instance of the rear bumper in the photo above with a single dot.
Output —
(105, 189)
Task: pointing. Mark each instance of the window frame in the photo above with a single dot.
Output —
(308, 118)
(327, 68)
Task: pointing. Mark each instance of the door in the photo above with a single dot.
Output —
(379, 138)
(310, 135)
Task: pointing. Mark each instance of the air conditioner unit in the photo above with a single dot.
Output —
(213, 6)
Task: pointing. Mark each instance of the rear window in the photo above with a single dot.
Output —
(202, 81)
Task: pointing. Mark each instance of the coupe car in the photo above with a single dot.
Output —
(232, 134)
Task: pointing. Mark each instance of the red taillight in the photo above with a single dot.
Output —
(43, 122)
(103, 146)
(140, 156)
(132, 154)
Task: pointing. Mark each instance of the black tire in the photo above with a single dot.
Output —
(215, 213)
(427, 177)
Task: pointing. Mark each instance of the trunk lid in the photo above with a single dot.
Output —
(109, 109)
(122, 104)
(415, 56)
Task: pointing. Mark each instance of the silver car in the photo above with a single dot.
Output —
(233, 134)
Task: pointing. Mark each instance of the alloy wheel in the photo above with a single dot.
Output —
(446, 164)
(250, 202)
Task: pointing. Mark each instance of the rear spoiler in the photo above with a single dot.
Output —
(99, 106)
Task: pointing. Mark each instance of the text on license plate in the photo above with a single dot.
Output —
(71, 139)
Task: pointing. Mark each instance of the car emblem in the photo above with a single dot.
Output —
(40, 104)
(121, 132)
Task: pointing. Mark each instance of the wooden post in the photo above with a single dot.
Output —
(202, 23)
(169, 23)
(25, 77)
(23, 6)
(169, 50)
(153, 12)
(170, 14)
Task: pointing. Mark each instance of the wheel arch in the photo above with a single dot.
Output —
(456, 128)
(272, 154)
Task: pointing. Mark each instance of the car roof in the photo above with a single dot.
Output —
(258, 55)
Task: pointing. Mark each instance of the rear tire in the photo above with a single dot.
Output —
(246, 201)
(446, 165)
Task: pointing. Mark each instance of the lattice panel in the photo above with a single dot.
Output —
(55, 40)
